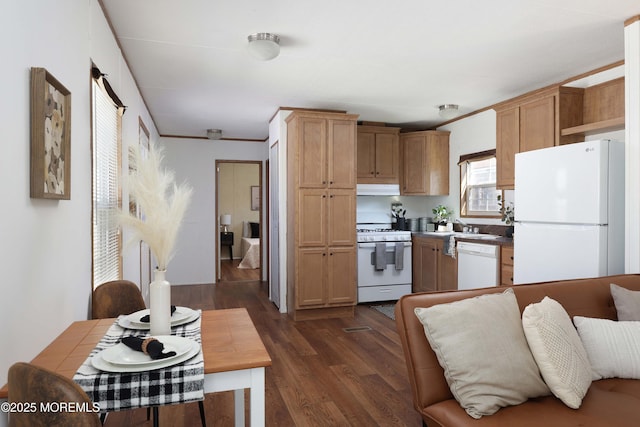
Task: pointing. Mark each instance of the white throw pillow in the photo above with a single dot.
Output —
(481, 346)
(558, 351)
(627, 302)
(613, 347)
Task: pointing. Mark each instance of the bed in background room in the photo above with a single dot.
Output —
(250, 245)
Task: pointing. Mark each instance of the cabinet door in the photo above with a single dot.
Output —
(342, 154)
(312, 218)
(341, 272)
(413, 164)
(341, 210)
(506, 271)
(311, 277)
(425, 264)
(366, 157)
(537, 124)
(437, 170)
(507, 143)
(387, 156)
(447, 271)
(312, 152)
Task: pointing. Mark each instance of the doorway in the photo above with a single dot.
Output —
(239, 213)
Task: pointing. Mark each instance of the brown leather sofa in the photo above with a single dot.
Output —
(608, 403)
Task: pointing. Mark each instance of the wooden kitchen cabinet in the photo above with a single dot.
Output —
(425, 163)
(326, 217)
(321, 238)
(506, 263)
(528, 126)
(433, 269)
(532, 122)
(326, 152)
(326, 277)
(378, 155)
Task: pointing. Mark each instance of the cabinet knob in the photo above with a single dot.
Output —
(331, 196)
(372, 173)
(330, 182)
(324, 196)
(377, 173)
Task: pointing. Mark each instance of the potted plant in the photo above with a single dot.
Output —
(442, 215)
(508, 215)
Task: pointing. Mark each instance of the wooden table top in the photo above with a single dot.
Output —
(230, 342)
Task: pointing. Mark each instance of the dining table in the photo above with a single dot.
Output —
(235, 357)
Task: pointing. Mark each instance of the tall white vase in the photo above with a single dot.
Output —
(160, 304)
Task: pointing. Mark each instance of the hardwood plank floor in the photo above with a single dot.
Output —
(321, 375)
(229, 272)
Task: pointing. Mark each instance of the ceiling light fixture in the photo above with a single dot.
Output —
(264, 46)
(214, 133)
(448, 111)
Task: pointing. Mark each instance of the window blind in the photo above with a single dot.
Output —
(107, 264)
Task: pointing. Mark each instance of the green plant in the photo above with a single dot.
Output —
(442, 213)
(507, 211)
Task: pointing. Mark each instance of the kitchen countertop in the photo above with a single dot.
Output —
(502, 240)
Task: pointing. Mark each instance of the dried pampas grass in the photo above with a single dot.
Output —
(162, 213)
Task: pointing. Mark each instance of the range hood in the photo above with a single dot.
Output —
(378, 189)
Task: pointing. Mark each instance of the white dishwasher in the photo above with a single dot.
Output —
(477, 265)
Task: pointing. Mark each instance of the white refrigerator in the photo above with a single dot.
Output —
(569, 212)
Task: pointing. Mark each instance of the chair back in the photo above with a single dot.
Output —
(114, 298)
(44, 391)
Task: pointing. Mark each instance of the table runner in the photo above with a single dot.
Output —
(118, 391)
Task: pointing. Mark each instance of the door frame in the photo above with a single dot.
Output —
(217, 212)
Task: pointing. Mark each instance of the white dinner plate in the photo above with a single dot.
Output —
(99, 363)
(181, 316)
(121, 354)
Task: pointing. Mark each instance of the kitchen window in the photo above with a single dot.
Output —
(478, 192)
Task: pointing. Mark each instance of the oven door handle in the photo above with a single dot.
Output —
(389, 244)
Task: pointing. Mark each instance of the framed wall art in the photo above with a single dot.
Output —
(50, 137)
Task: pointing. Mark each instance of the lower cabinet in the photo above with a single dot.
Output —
(506, 262)
(433, 269)
(326, 277)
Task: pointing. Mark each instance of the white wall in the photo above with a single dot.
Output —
(193, 161)
(45, 245)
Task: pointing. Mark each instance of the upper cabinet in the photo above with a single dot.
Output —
(326, 152)
(602, 109)
(556, 116)
(378, 155)
(425, 163)
(533, 122)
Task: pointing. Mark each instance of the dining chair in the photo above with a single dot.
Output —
(39, 387)
(117, 297)
(114, 298)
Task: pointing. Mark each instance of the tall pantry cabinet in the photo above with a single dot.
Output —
(321, 231)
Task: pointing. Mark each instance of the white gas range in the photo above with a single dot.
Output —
(384, 262)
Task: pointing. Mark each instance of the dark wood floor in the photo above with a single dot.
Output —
(321, 375)
(229, 272)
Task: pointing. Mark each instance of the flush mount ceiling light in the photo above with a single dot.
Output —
(264, 46)
(448, 111)
(214, 133)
